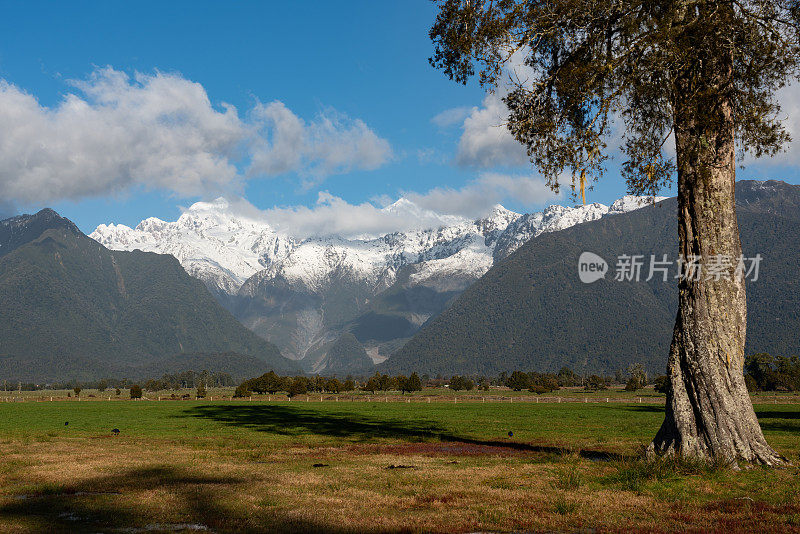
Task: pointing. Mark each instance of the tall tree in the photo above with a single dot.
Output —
(702, 72)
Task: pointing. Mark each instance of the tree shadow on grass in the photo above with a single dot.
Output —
(770, 420)
(119, 502)
(780, 421)
(296, 421)
(777, 414)
(647, 408)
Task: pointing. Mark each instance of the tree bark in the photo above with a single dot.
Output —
(708, 412)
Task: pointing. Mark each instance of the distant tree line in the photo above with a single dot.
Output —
(764, 372)
(272, 383)
(175, 381)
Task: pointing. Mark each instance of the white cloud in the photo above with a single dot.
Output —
(478, 197)
(485, 141)
(160, 131)
(451, 117)
(115, 132)
(438, 207)
(335, 216)
(331, 144)
(789, 100)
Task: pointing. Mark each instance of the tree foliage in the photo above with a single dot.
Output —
(588, 63)
(772, 373)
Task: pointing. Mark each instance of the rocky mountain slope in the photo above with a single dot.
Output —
(303, 293)
(72, 309)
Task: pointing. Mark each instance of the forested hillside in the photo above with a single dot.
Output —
(531, 311)
(74, 310)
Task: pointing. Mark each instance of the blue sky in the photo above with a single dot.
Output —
(332, 100)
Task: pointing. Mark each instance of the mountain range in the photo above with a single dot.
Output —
(532, 312)
(482, 296)
(305, 293)
(74, 310)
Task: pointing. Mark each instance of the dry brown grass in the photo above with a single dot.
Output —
(108, 484)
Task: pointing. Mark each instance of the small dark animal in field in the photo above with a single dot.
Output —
(400, 466)
(115, 431)
(320, 465)
(510, 434)
(66, 423)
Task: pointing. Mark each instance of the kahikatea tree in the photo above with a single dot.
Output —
(701, 72)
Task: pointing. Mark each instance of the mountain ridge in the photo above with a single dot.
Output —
(74, 309)
(531, 312)
(304, 293)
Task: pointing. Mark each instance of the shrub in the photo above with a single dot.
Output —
(662, 384)
(458, 383)
(332, 385)
(201, 391)
(412, 383)
(751, 383)
(136, 391)
(519, 381)
(267, 383)
(633, 384)
(242, 391)
(372, 384)
(595, 383)
(299, 386)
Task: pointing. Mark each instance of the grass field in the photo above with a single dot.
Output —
(383, 467)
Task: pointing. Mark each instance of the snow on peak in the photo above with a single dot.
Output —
(631, 202)
(225, 244)
(555, 218)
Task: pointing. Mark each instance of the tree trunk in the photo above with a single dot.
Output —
(708, 412)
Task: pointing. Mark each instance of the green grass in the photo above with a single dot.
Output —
(327, 421)
(249, 466)
(617, 427)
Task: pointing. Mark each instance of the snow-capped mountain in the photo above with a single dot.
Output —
(302, 293)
